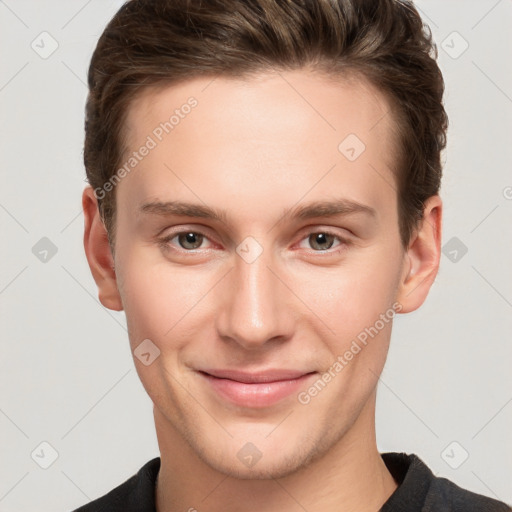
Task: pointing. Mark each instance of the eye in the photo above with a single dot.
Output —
(319, 241)
(322, 240)
(188, 240)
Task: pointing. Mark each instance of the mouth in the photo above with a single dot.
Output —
(255, 390)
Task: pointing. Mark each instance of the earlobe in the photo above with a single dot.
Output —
(422, 258)
(99, 254)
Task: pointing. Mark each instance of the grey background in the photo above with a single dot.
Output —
(66, 373)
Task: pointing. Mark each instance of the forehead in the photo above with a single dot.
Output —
(273, 131)
(305, 99)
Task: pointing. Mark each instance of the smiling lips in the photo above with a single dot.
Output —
(258, 389)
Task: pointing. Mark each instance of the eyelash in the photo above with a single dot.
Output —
(164, 241)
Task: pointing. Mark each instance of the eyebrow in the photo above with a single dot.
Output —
(301, 212)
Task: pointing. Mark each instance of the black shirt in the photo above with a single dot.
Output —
(418, 491)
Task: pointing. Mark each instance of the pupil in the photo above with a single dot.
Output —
(320, 239)
(190, 240)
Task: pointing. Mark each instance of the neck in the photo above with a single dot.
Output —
(349, 476)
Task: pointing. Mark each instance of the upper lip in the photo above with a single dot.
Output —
(271, 375)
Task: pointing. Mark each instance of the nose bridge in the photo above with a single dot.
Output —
(253, 310)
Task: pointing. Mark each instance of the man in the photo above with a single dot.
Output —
(264, 200)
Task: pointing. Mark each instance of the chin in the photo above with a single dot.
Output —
(266, 458)
(278, 467)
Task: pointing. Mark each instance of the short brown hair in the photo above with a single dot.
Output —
(161, 42)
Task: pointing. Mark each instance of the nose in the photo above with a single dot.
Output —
(255, 308)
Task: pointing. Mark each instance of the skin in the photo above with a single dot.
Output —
(254, 148)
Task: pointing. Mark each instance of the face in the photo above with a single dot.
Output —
(257, 240)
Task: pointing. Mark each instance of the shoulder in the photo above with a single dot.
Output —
(446, 495)
(135, 494)
(419, 490)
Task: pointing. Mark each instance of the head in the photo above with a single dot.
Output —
(299, 144)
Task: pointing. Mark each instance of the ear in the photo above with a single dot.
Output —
(99, 255)
(422, 257)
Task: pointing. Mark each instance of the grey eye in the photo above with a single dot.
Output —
(321, 241)
(190, 240)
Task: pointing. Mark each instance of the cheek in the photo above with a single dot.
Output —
(154, 296)
(162, 302)
(352, 297)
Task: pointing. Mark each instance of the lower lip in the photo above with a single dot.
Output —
(261, 394)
